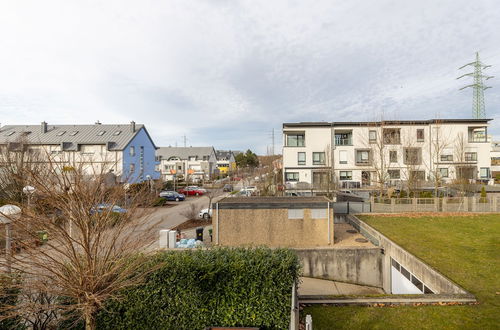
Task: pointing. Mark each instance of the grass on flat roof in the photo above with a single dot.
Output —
(466, 249)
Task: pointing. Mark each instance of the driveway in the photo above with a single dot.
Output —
(169, 217)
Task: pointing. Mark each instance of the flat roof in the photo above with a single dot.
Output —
(288, 202)
(386, 122)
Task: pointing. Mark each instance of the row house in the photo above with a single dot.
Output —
(393, 153)
(191, 163)
(226, 161)
(125, 150)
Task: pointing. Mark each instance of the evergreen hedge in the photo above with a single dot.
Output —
(215, 287)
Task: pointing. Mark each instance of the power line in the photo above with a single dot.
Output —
(478, 87)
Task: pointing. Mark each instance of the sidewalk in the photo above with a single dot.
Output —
(312, 286)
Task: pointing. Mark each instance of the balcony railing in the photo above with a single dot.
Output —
(343, 141)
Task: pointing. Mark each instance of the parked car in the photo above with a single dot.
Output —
(228, 187)
(205, 214)
(192, 191)
(172, 195)
(243, 192)
(102, 207)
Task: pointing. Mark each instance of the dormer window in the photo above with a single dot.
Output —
(73, 133)
(117, 133)
(61, 133)
(101, 133)
(10, 133)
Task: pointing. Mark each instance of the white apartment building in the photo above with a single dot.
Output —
(395, 153)
(495, 160)
(191, 163)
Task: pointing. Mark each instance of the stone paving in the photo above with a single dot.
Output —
(345, 239)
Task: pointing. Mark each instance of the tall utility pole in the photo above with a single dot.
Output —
(478, 86)
(272, 149)
(184, 141)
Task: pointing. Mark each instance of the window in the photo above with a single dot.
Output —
(132, 168)
(117, 133)
(343, 157)
(61, 133)
(446, 158)
(320, 179)
(393, 156)
(295, 214)
(295, 140)
(101, 133)
(301, 158)
(345, 175)
(318, 158)
(319, 213)
(343, 138)
(179, 168)
(484, 172)
(417, 175)
(394, 174)
(471, 156)
(372, 136)
(192, 158)
(292, 176)
(412, 156)
(10, 133)
(73, 133)
(362, 157)
(495, 161)
(443, 172)
(392, 136)
(477, 134)
(420, 135)
(132, 151)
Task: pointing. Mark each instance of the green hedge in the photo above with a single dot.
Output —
(216, 287)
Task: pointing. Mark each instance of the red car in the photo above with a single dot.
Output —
(192, 191)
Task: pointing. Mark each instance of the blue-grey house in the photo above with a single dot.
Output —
(126, 150)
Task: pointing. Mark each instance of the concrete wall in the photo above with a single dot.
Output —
(352, 265)
(437, 282)
(271, 227)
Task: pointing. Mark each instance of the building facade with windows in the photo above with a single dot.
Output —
(392, 153)
(190, 163)
(126, 150)
(226, 162)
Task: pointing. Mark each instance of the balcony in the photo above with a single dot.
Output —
(343, 138)
(477, 134)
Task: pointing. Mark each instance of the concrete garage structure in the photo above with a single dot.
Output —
(297, 222)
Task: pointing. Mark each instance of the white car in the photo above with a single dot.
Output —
(205, 214)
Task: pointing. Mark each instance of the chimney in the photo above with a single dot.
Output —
(44, 127)
(98, 122)
(132, 126)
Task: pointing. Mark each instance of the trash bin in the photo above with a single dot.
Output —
(199, 234)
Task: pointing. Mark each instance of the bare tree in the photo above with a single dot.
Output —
(93, 250)
(464, 163)
(191, 213)
(440, 141)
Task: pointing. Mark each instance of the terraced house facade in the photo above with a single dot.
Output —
(126, 150)
(392, 153)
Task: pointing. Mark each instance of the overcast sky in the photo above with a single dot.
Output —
(225, 73)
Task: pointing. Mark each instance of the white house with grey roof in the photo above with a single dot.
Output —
(192, 163)
(127, 150)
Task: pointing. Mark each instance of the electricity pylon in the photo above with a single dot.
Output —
(478, 86)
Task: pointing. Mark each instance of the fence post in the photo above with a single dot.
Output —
(473, 204)
(393, 204)
(444, 208)
(436, 204)
(414, 204)
(495, 204)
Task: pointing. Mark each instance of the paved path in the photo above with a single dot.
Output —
(314, 286)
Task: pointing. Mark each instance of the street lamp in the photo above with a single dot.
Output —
(6, 213)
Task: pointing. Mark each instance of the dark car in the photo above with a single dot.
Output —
(172, 196)
(228, 187)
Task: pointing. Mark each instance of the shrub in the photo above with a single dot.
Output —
(8, 297)
(216, 287)
(160, 201)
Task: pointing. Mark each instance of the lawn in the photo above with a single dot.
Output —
(466, 249)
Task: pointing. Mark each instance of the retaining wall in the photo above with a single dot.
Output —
(437, 282)
(362, 266)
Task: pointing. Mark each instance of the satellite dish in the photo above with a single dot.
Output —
(29, 190)
(8, 211)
